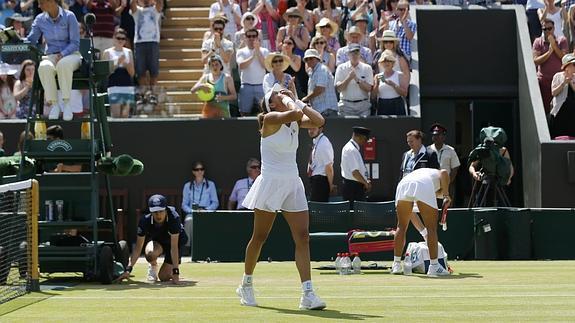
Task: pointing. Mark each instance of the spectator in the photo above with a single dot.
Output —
(103, 29)
(563, 105)
(418, 156)
(547, 53)
(23, 89)
(307, 16)
(276, 64)
(242, 186)
(354, 36)
(198, 194)
(295, 29)
(217, 44)
(78, 7)
(7, 11)
(249, 21)
(28, 8)
(328, 29)
(321, 91)
(327, 9)
(404, 28)
(251, 63)
(8, 105)
(21, 139)
(62, 56)
(296, 69)
(554, 13)
(224, 88)
(320, 166)
(388, 41)
(366, 12)
(120, 83)
(319, 43)
(21, 26)
(533, 21)
(390, 87)
(354, 80)
(269, 18)
(391, 13)
(355, 177)
(446, 155)
(231, 11)
(127, 22)
(361, 22)
(147, 42)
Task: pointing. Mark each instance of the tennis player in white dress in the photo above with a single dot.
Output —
(279, 187)
(420, 188)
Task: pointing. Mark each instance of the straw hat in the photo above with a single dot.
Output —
(7, 69)
(16, 17)
(311, 53)
(389, 35)
(566, 60)
(249, 14)
(354, 30)
(219, 17)
(387, 55)
(270, 58)
(326, 22)
(293, 11)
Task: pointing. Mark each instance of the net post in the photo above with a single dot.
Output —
(34, 270)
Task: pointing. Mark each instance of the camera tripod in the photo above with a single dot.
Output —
(488, 193)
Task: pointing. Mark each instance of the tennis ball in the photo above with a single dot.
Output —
(206, 95)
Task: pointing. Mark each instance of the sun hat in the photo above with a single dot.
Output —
(249, 14)
(270, 58)
(326, 22)
(293, 11)
(311, 53)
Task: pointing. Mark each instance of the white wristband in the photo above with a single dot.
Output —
(300, 104)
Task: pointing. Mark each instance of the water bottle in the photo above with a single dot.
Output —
(356, 264)
(338, 263)
(407, 265)
(345, 265)
(39, 129)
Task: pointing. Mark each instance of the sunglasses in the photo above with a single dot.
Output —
(251, 36)
(288, 43)
(277, 61)
(198, 169)
(401, 9)
(547, 29)
(320, 43)
(219, 29)
(255, 167)
(328, 26)
(249, 18)
(293, 16)
(121, 38)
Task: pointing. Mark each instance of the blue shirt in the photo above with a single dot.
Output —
(204, 195)
(240, 191)
(321, 76)
(62, 34)
(399, 29)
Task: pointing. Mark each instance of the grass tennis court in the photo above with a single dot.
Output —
(478, 291)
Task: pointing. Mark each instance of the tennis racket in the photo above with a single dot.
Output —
(443, 221)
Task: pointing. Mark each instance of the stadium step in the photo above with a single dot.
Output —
(202, 12)
(187, 63)
(170, 43)
(179, 74)
(180, 53)
(177, 22)
(185, 32)
(182, 96)
(189, 3)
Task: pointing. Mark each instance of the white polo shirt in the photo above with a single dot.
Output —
(321, 155)
(254, 73)
(351, 160)
(447, 157)
(352, 91)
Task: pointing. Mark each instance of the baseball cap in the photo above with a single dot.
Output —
(157, 203)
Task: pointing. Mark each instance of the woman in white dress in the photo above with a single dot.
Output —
(420, 187)
(279, 187)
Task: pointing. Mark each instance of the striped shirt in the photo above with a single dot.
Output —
(321, 76)
(399, 29)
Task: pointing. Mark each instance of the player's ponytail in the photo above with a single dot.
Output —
(262, 114)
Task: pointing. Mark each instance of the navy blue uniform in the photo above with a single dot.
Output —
(161, 232)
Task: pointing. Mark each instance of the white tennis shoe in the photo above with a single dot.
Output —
(310, 301)
(246, 294)
(152, 273)
(396, 268)
(54, 112)
(436, 270)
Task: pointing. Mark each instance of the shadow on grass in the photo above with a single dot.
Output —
(24, 301)
(452, 276)
(365, 272)
(327, 313)
(78, 283)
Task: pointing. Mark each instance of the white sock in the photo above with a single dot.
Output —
(396, 258)
(247, 280)
(434, 261)
(306, 286)
(423, 233)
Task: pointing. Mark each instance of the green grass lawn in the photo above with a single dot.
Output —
(491, 291)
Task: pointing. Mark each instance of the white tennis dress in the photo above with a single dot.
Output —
(279, 186)
(419, 185)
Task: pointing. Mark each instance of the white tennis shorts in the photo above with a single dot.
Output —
(275, 194)
(416, 191)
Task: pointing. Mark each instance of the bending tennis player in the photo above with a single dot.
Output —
(420, 187)
(279, 187)
(165, 232)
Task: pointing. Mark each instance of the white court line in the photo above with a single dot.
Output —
(288, 297)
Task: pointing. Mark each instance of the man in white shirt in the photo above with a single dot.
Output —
(217, 44)
(242, 186)
(446, 154)
(320, 166)
(251, 61)
(354, 80)
(231, 11)
(353, 170)
(147, 41)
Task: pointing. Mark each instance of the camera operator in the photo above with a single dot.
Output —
(475, 169)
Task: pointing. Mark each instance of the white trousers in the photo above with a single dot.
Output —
(64, 68)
